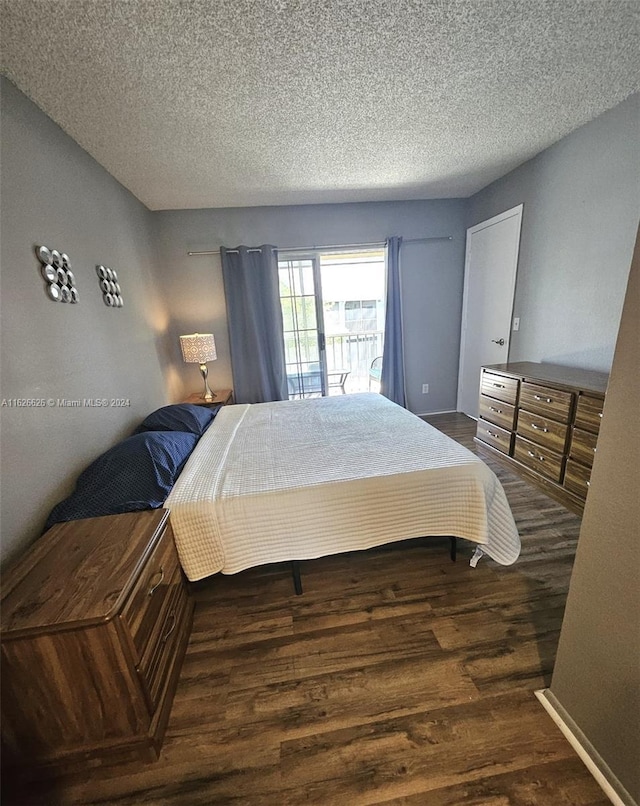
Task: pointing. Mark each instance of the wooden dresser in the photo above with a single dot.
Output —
(95, 623)
(543, 420)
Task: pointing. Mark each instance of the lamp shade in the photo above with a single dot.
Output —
(198, 348)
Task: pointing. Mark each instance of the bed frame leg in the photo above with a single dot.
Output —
(453, 548)
(297, 582)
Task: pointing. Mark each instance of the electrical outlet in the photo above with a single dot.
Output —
(425, 388)
(516, 323)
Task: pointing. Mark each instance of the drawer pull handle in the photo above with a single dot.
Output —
(172, 616)
(533, 456)
(153, 588)
(501, 386)
(546, 399)
(599, 414)
(588, 484)
(491, 434)
(497, 411)
(539, 428)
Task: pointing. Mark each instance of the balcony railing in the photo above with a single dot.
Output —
(353, 353)
(348, 356)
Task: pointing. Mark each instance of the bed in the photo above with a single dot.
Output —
(300, 479)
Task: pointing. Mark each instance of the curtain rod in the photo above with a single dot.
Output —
(330, 246)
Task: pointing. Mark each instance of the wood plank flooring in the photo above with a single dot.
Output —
(398, 677)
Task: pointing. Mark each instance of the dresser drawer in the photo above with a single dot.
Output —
(589, 413)
(499, 386)
(161, 648)
(543, 431)
(576, 478)
(494, 436)
(542, 460)
(546, 401)
(494, 411)
(583, 446)
(149, 596)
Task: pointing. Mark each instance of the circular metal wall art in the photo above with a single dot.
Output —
(56, 271)
(111, 291)
(44, 255)
(53, 291)
(49, 273)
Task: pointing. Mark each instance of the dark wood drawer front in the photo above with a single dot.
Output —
(494, 436)
(494, 411)
(542, 460)
(548, 402)
(555, 428)
(576, 478)
(589, 413)
(148, 598)
(583, 446)
(171, 629)
(499, 387)
(543, 431)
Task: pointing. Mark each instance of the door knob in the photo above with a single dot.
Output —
(498, 341)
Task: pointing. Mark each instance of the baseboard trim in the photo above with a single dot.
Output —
(433, 413)
(592, 760)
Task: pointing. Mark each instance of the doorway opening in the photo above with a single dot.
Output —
(333, 307)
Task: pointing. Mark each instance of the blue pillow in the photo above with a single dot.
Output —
(180, 417)
(137, 473)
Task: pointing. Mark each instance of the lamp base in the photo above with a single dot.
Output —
(208, 396)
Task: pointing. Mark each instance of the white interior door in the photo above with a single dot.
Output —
(489, 284)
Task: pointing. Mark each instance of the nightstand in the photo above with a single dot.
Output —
(95, 624)
(222, 397)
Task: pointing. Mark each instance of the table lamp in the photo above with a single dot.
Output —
(198, 348)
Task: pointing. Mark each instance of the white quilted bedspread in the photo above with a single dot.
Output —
(301, 479)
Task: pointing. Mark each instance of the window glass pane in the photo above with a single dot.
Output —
(369, 314)
(306, 278)
(305, 311)
(331, 317)
(309, 354)
(290, 349)
(302, 276)
(285, 280)
(287, 314)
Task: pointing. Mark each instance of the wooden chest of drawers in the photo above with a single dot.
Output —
(95, 624)
(544, 420)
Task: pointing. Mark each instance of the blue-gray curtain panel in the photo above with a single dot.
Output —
(255, 323)
(392, 376)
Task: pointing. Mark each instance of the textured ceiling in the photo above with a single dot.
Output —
(222, 103)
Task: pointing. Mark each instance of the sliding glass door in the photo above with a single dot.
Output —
(353, 293)
(333, 307)
(303, 326)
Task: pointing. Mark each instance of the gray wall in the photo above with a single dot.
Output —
(581, 206)
(432, 278)
(596, 679)
(581, 201)
(53, 193)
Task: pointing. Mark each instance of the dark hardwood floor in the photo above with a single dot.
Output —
(398, 677)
